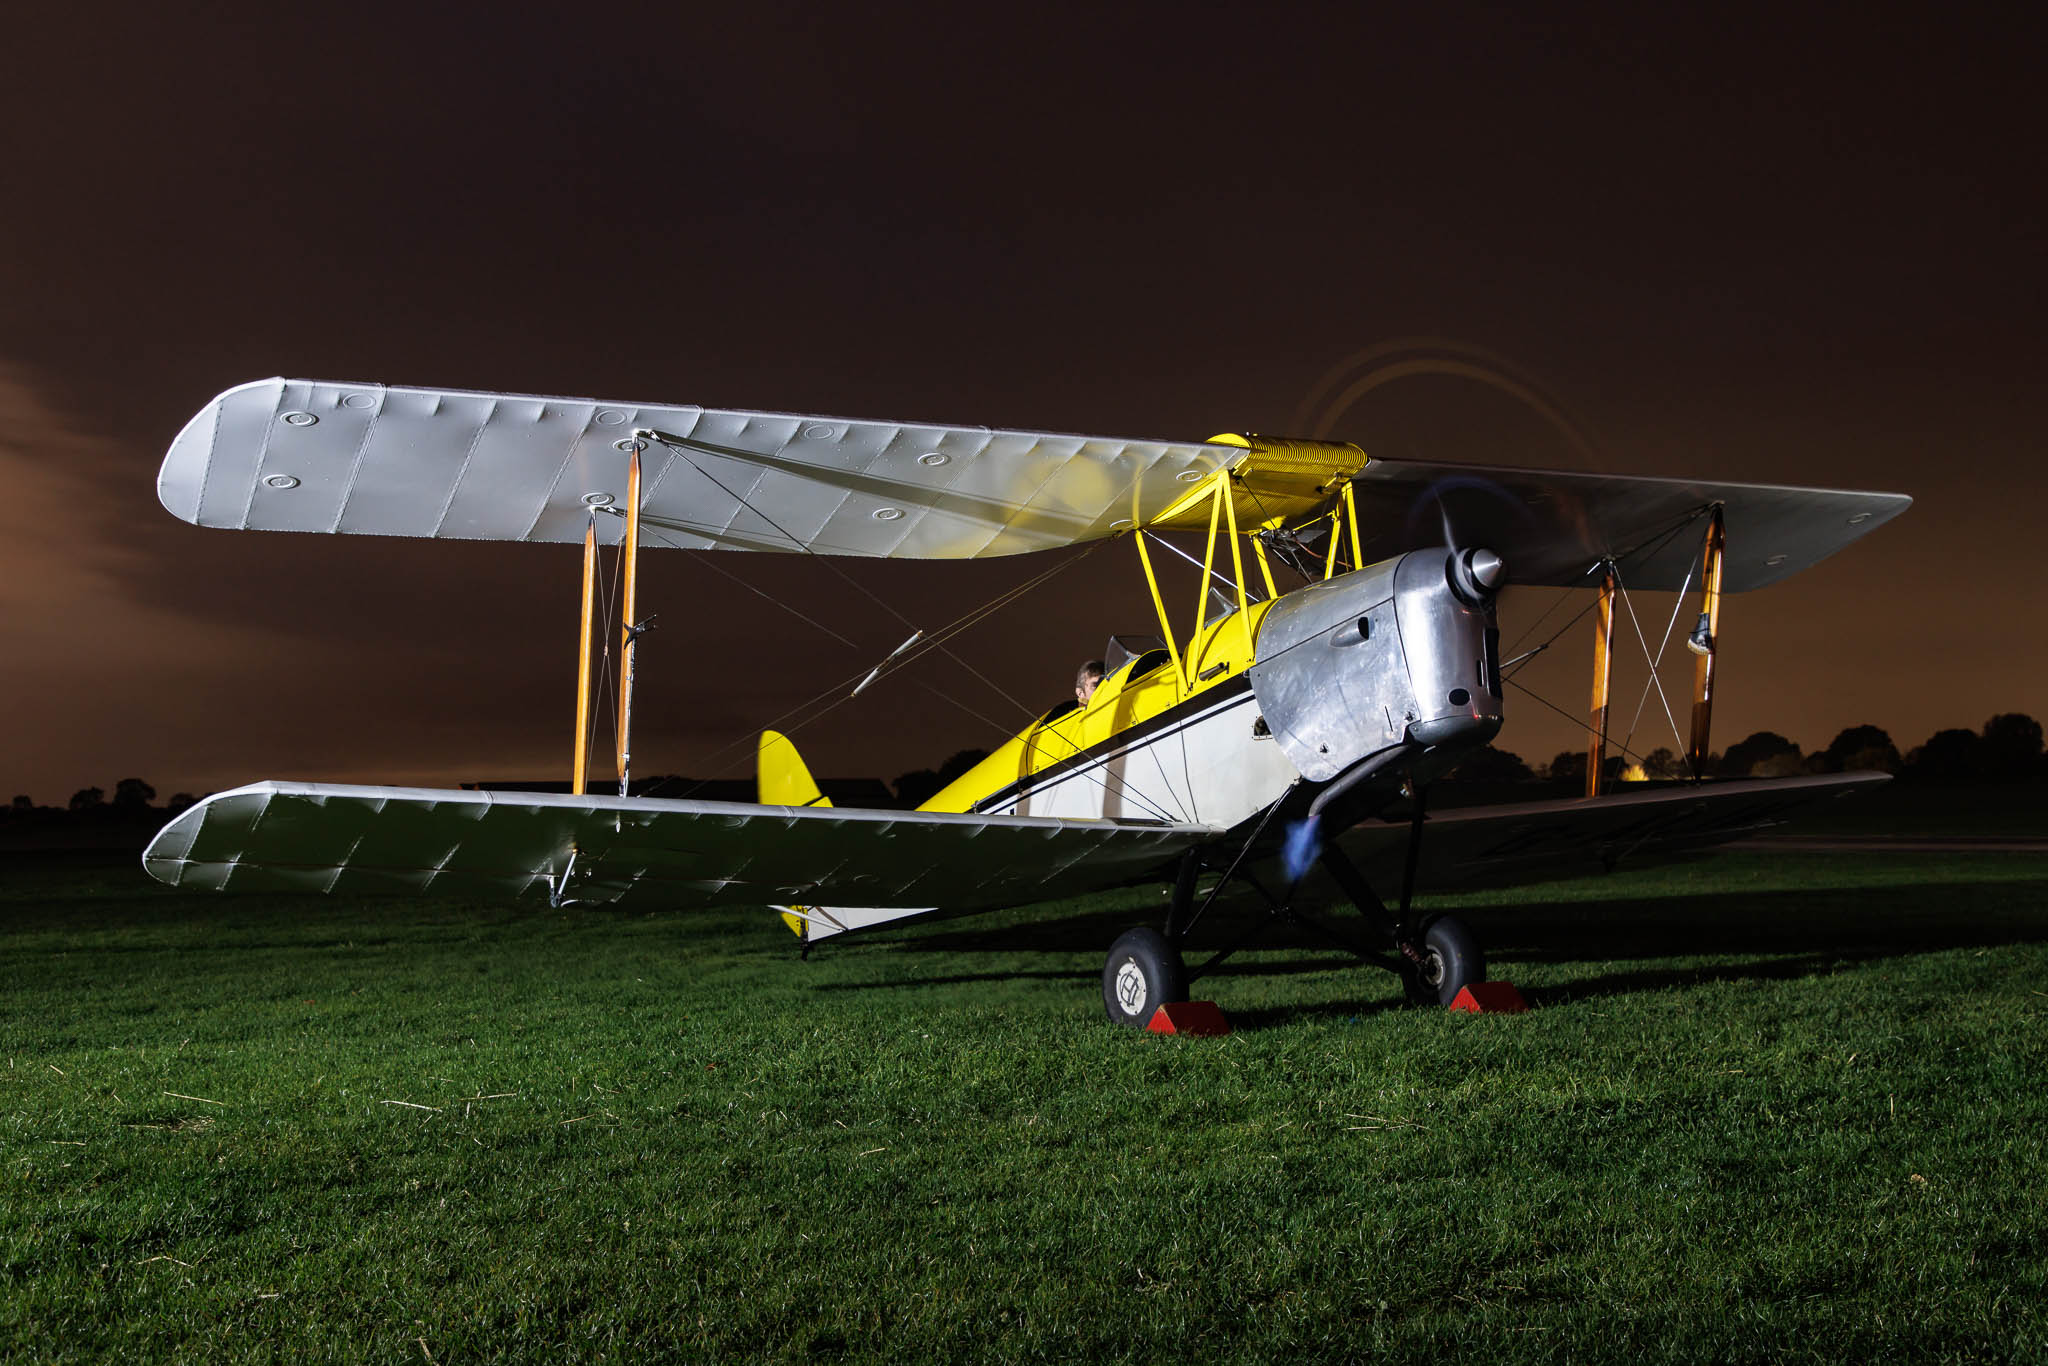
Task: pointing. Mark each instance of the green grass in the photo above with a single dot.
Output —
(1768, 1107)
(1910, 810)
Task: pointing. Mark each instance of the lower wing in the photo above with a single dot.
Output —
(1583, 835)
(318, 837)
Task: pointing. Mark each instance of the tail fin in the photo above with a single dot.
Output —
(784, 781)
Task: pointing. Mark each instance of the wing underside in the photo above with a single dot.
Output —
(1524, 840)
(307, 837)
(1556, 527)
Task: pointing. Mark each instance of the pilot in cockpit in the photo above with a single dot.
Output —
(1087, 680)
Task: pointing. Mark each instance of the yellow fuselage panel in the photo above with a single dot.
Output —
(1220, 652)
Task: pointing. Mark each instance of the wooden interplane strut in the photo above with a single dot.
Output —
(1603, 668)
(1703, 668)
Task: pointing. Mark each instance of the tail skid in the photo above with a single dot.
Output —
(785, 780)
(813, 923)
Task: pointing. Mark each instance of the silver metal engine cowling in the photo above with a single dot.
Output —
(1387, 654)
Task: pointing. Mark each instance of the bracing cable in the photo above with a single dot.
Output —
(834, 695)
(682, 451)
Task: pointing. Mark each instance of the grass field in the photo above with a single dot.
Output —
(1768, 1107)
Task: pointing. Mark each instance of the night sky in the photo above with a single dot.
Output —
(1805, 251)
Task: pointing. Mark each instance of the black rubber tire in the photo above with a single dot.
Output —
(1451, 961)
(1143, 972)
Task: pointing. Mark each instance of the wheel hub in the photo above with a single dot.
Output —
(1130, 988)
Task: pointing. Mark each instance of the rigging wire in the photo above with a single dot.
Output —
(836, 696)
(959, 624)
(607, 596)
(680, 447)
(836, 692)
(976, 615)
(1578, 721)
(1521, 661)
(1654, 680)
(1214, 573)
(1095, 771)
(1657, 663)
(1273, 526)
(660, 534)
(1645, 547)
(1650, 546)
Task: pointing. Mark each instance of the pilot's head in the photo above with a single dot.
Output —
(1087, 681)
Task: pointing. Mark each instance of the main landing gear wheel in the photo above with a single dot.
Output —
(1143, 972)
(1451, 961)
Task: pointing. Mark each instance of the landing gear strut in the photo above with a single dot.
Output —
(1434, 958)
(1438, 957)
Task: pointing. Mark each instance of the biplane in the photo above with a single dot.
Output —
(1342, 652)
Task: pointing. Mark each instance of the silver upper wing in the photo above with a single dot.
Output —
(1554, 527)
(306, 455)
(314, 837)
(370, 459)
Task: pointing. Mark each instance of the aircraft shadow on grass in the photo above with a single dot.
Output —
(1725, 936)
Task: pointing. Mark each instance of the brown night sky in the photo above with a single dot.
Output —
(1801, 252)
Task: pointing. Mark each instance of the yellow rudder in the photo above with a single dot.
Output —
(782, 776)
(783, 780)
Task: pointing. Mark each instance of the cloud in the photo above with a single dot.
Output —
(138, 645)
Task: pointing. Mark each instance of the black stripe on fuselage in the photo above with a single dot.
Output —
(1176, 718)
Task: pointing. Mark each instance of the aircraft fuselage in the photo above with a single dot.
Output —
(1396, 656)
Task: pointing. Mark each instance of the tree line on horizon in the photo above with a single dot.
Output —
(2008, 749)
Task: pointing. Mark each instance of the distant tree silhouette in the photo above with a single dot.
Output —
(1856, 749)
(23, 802)
(180, 801)
(916, 787)
(1568, 767)
(1765, 754)
(1661, 762)
(2010, 746)
(88, 799)
(1948, 756)
(1489, 765)
(132, 793)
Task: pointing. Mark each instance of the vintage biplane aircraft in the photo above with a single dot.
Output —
(1257, 747)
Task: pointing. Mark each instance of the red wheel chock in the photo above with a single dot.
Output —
(1199, 1018)
(1489, 998)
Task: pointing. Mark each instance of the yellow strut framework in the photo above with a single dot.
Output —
(1282, 472)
